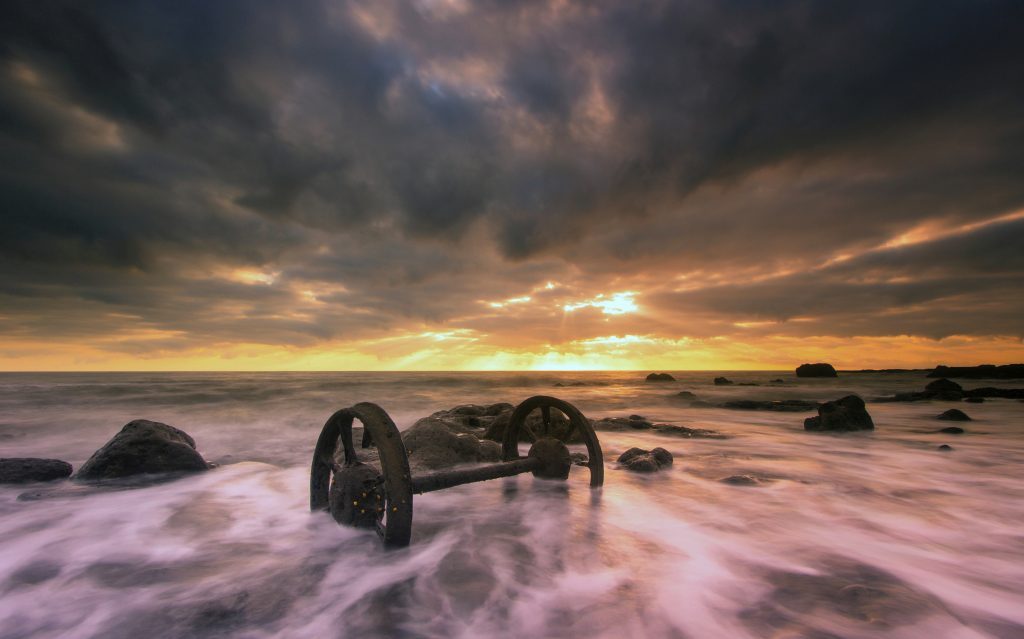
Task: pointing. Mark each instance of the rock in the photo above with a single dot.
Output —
(942, 385)
(580, 459)
(560, 428)
(686, 395)
(21, 470)
(785, 405)
(700, 403)
(689, 433)
(741, 480)
(645, 461)
(660, 377)
(663, 457)
(143, 447)
(945, 447)
(846, 414)
(954, 415)
(490, 451)
(431, 444)
(974, 400)
(622, 423)
(722, 381)
(820, 369)
(777, 380)
(951, 430)
(985, 371)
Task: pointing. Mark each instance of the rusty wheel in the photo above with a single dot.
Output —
(578, 425)
(394, 523)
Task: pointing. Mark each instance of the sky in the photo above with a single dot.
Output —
(498, 185)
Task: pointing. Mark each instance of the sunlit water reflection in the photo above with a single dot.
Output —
(857, 535)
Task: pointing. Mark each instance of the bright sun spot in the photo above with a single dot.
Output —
(615, 304)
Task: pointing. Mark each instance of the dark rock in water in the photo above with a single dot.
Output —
(954, 415)
(143, 447)
(645, 461)
(21, 470)
(686, 395)
(985, 371)
(432, 443)
(689, 433)
(660, 377)
(974, 400)
(846, 414)
(580, 459)
(778, 381)
(820, 369)
(748, 384)
(942, 385)
(722, 381)
(945, 447)
(741, 480)
(785, 405)
(634, 422)
(951, 430)
(663, 457)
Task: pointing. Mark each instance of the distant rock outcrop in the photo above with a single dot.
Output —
(22, 470)
(645, 461)
(723, 381)
(820, 369)
(846, 414)
(143, 447)
(638, 422)
(984, 371)
(954, 415)
(660, 377)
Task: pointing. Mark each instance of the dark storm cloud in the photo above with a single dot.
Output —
(414, 159)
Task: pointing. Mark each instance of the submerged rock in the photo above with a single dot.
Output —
(645, 461)
(660, 377)
(954, 415)
(685, 395)
(945, 447)
(846, 414)
(951, 430)
(689, 433)
(742, 480)
(21, 470)
(820, 369)
(143, 447)
(722, 381)
(990, 392)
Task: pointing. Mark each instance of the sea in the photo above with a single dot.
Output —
(867, 534)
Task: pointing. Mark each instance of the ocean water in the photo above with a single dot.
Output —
(856, 535)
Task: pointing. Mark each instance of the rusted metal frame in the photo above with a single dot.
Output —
(510, 445)
(449, 478)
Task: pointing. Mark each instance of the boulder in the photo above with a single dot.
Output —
(143, 447)
(951, 430)
(645, 461)
(22, 470)
(943, 385)
(821, 369)
(846, 414)
(431, 443)
(660, 377)
(945, 447)
(954, 415)
(689, 433)
(722, 381)
(685, 395)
